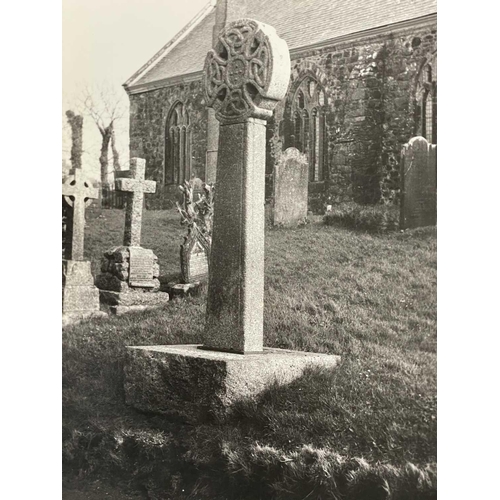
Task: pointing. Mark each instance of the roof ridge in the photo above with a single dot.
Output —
(301, 23)
(170, 44)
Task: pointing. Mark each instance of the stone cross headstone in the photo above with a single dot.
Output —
(128, 271)
(244, 77)
(80, 296)
(135, 186)
(78, 193)
(418, 184)
(291, 183)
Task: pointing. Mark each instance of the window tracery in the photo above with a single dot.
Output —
(427, 101)
(177, 145)
(308, 126)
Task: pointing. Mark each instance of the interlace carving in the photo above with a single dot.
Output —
(238, 71)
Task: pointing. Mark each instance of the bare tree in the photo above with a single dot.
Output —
(105, 107)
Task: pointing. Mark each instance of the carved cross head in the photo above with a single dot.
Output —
(247, 73)
(78, 185)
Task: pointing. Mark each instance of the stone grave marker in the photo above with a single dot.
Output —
(129, 272)
(291, 181)
(196, 213)
(194, 257)
(418, 184)
(245, 76)
(134, 183)
(80, 296)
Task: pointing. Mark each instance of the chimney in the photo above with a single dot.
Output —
(227, 11)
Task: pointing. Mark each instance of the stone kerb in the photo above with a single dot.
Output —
(291, 181)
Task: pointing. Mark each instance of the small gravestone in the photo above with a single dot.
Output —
(245, 76)
(129, 273)
(290, 188)
(194, 257)
(419, 184)
(80, 296)
(196, 213)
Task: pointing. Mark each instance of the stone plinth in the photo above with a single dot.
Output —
(129, 268)
(181, 290)
(129, 280)
(187, 381)
(80, 298)
(132, 300)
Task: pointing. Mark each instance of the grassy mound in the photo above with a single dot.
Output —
(365, 430)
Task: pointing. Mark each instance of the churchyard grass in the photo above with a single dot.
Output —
(369, 298)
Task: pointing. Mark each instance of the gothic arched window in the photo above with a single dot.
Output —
(308, 126)
(177, 146)
(427, 101)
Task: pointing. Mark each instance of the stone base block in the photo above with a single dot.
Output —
(180, 290)
(186, 381)
(133, 298)
(119, 310)
(79, 295)
(77, 317)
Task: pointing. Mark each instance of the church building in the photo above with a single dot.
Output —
(363, 82)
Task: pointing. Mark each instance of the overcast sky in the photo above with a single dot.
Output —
(106, 41)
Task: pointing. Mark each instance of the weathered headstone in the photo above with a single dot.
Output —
(291, 182)
(196, 213)
(80, 296)
(194, 257)
(245, 76)
(128, 272)
(418, 184)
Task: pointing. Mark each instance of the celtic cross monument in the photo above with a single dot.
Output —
(80, 296)
(245, 76)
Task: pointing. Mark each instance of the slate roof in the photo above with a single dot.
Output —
(300, 22)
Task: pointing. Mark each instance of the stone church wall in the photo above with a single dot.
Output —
(148, 115)
(370, 86)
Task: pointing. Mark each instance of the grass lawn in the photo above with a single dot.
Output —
(364, 429)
